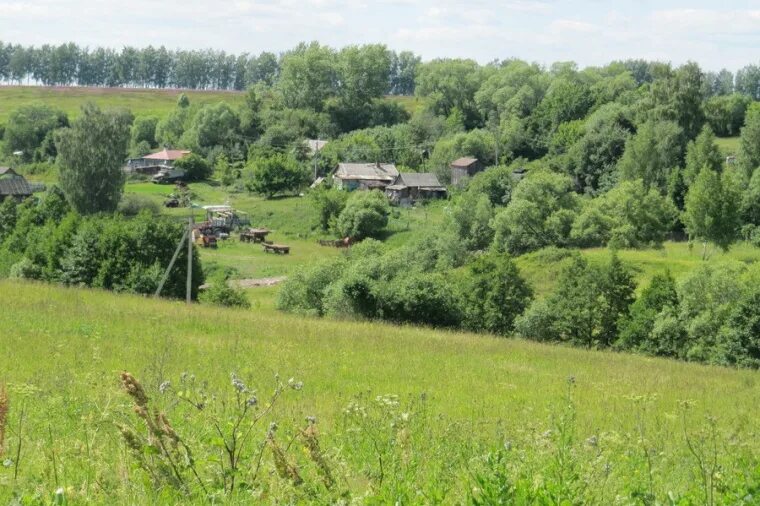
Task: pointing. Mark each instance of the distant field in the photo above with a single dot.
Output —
(139, 101)
(728, 145)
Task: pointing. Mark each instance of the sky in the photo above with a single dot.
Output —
(716, 34)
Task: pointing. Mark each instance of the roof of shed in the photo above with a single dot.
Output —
(15, 186)
(418, 179)
(371, 171)
(464, 162)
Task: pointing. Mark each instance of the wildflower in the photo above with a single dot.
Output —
(183, 376)
(164, 386)
(311, 420)
(238, 384)
(252, 401)
(7, 463)
(508, 445)
(571, 380)
(295, 385)
(592, 441)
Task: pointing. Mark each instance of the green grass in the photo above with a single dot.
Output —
(142, 102)
(729, 146)
(410, 102)
(68, 346)
(677, 257)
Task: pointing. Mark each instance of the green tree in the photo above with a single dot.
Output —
(494, 294)
(651, 154)
(195, 166)
(702, 152)
(749, 147)
(657, 301)
(449, 84)
(540, 214)
(711, 211)
(365, 215)
(627, 216)
(90, 157)
(144, 130)
(617, 290)
(328, 204)
(308, 76)
(470, 221)
(276, 174)
(28, 126)
(725, 114)
(213, 126)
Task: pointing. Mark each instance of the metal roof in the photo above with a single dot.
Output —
(418, 179)
(464, 162)
(15, 186)
(370, 171)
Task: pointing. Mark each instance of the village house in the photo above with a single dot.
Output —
(464, 168)
(412, 186)
(364, 176)
(153, 163)
(13, 185)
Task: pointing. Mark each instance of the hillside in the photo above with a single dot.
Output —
(141, 101)
(67, 347)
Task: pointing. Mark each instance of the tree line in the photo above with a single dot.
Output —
(158, 67)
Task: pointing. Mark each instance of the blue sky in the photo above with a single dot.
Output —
(715, 34)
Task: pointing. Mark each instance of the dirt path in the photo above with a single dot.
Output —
(253, 283)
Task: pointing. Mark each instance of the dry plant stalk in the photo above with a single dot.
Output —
(4, 403)
(285, 469)
(311, 442)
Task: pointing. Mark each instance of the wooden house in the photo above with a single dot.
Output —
(412, 186)
(13, 185)
(464, 168)
(155, 162)
(364, 176)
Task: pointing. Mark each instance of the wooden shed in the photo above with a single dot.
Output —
(413, 186)
(13, 185)
(464, 168)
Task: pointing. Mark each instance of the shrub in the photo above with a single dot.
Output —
(365, 215)
(133, 204)
(221, 293)
(275, 174)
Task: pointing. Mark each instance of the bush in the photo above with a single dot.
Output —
(132, 205)
(221, 293)
(328, 204)
(365, 215)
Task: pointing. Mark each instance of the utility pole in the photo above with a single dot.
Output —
(189, 286)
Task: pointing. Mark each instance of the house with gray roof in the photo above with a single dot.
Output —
(412, 186)
(13, 185)
(364, 176)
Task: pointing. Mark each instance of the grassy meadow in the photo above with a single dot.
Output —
(142, 102)
(628, 417)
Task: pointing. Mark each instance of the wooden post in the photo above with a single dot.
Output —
(171, 264)
(189, 287)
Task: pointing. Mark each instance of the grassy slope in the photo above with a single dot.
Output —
(70, 344)
(140, 101)
(59, 337)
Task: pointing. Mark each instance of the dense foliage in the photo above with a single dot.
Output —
(48, 241)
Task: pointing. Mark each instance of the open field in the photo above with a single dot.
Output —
(142, 102)
(728, 145)
(67, 347)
